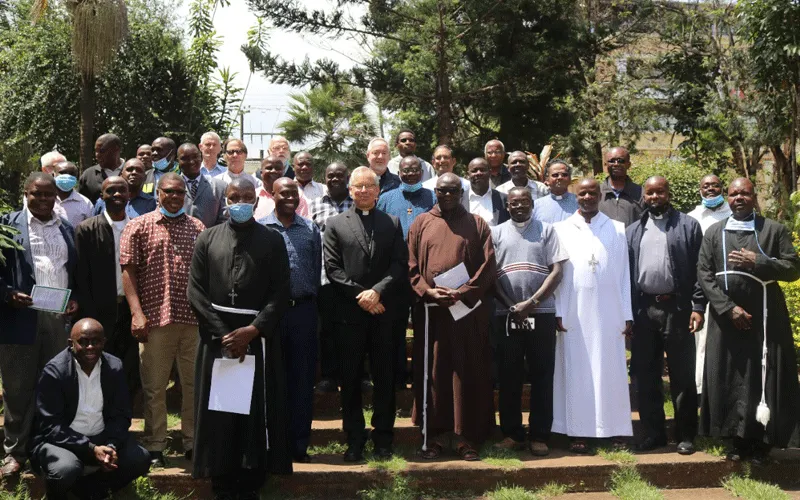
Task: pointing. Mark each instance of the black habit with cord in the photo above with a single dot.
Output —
(243, 267)
(732, 377)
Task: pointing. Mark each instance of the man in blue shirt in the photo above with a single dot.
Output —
(298, 327)
(210, 145)
(406, 203)
(139, 203)
(559, 204)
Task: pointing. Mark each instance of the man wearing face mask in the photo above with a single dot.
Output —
(712, 209)
(155, 252)
(239, 302)
(298, 327)
(668, 308)
(163, 155)
(76, 207)
(750, 389)
(406, 203)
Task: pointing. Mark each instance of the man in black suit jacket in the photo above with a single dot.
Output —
(82, 418)
(107, 149)
(481, 200)
(98, 277)
(365, 259)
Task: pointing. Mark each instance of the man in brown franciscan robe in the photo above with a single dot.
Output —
(460, 405)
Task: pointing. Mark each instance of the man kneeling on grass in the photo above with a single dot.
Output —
(81, 443)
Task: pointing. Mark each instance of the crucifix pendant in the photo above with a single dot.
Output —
(409, 210)
(233, 296)
(593, 263)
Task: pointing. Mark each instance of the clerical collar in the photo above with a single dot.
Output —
(363, 212)
(557, 196)
(657, 216)
(521, 225)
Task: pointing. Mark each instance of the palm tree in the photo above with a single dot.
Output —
(332, 122)
(98, 29)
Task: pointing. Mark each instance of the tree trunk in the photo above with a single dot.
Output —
(597, 158)
(444, 112)
(87, 106)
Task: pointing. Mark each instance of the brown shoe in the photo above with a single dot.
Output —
(10, 467)
(509, 444)
(539, 449)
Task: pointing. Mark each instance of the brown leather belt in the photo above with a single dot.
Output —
(666, 297)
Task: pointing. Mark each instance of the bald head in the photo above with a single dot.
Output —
(742, 198)
(656, 195)
(240, 185)
(657, 180)
(85, 325)
(589, 183)
(87, 340)
(618, 161)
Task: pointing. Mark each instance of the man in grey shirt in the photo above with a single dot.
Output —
(668, 307)
(529, 259)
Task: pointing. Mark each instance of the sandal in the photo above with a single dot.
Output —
(433, 452)
(467, 452)
(619, 444)
(579, 447)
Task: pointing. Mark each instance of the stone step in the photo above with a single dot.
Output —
(330, 478)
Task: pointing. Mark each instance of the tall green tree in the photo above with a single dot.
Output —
(332, 122)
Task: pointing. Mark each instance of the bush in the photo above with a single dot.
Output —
(792, 293)
(684, 178)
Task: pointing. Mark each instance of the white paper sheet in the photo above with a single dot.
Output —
(454, 278)
(46, 298)
(460, 309)
(232, 385)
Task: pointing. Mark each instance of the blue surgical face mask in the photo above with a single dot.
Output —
(241, 212)
(170, 214)
(162, 164)
(713, 202)
(66, 182)
(411, 188)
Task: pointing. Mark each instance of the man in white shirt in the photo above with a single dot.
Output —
(303, 174)
(406, 144)
(235, 155)
(712, 209)
(98, 277)
(210, 145)
(518, 166)
(81, 443)
(31, 338)
(481, 200)
(443, 162)
(74, 206)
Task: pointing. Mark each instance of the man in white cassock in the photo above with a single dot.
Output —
(593, 316)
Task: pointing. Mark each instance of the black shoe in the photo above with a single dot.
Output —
(685, 448)
(157, 460)
(383, 453)
(651, 443)
(188, 455)
(354, 453)
(305, 458)
(326, 386)
(734, 455)
(760, 458)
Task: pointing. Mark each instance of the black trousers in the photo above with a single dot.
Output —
(538, 348)
(660, 328)
(63, 470)
(123, 345)
(235, 483)
(399, 326)
(328, 353)
(355, 341)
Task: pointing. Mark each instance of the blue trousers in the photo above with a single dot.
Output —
(298, 329)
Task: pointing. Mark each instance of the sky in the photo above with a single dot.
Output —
(266, 103)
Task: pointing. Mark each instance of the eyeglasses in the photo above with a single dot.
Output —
(412, 170)
(235, 151)
(361, 187)
(448, 190)
(494, 153)
(84, 342)
(617, 161)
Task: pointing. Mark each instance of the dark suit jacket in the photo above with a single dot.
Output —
(18, 326)
(95, 272)
(209, 203)
(353, 265)
(91, 181)
(57, 403)
(499, 206)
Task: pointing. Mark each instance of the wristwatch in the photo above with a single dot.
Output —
(534, 301)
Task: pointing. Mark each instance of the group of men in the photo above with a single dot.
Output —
(172, 258)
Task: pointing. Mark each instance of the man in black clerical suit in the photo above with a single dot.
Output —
(365, 258)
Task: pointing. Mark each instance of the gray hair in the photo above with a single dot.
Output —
(486, 146)
(365, 171)
(373, 141)
(212, 135)
(48, 160)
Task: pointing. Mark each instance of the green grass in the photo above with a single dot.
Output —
(623, 457)
(143, 489)
(332, 448)
(19, 493)
(173, 420)
(399, 489)
(505, 459)
(627, 484)
(750, 489)
(712, 446)
(393, 465)
(504, 492)
(669, 411)
(368, 415)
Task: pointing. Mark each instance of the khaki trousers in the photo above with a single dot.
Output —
(165, 345)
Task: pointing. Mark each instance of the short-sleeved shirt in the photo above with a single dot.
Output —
(76, 206)
(160, 248)
(406, 205)
(266, 205)
(523, 256)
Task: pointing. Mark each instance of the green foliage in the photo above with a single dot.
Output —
(399, 489)
(712, 446)
(506, 492)
(333, 123)
(750, 489)
(792, 293)
(616, 456)
(684, 178)
(627, 484)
